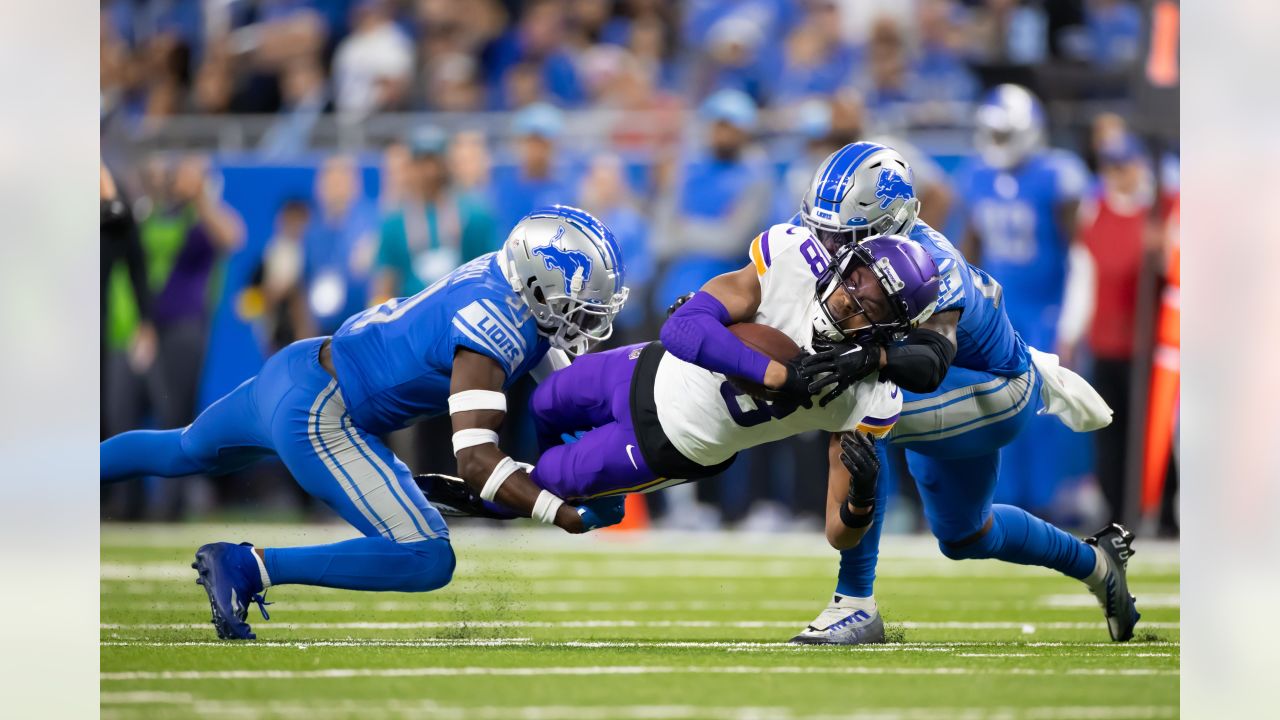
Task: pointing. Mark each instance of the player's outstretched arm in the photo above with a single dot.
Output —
(477, 407)
(697, 333)
(919, 363)
(851, 488)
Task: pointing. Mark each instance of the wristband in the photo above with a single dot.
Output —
(503, 470)
(546, 507)
(471, 437)
(477, 400)
(855, 521)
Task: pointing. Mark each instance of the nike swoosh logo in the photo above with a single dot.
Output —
(631, 457)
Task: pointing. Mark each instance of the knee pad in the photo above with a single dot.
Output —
(434, 563)
(977, 546)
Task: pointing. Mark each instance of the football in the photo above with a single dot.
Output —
(772, 342)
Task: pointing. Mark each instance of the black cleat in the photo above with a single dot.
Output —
(453, 497)
(1114, 544)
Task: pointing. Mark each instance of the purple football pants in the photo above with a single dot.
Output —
(592, 394)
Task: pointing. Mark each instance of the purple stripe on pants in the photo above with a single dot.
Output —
(592, 394)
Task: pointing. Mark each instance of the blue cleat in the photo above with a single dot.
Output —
(1114, 545)
(229, 574)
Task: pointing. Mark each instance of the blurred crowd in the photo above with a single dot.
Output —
(168, 57)
(684, 189)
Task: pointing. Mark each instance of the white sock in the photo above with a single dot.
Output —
(860, 603)
(1099, 573)
(262, 569)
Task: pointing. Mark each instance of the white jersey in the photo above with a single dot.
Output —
(708, 420)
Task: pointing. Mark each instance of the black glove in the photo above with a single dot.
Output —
(794, 391)
(844, 364)
(679, 301)
(858, 453)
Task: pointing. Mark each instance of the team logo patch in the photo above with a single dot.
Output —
(891, 186)
(574, 265)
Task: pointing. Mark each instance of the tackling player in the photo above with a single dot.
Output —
(970, 385)
(320, 405)
(666, 412)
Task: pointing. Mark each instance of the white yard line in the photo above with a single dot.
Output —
(598, 670)
(1091, 649)
(432, 709)
(1025, 627)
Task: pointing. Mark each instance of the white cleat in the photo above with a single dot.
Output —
(846, 621)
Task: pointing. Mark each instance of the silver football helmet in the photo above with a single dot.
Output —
(1009, 126)
(861, 190)
(567, 267)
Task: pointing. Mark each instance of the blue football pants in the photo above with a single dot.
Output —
(294, 409)
(953, 436)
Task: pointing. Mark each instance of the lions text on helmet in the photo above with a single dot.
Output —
(862, 190)
(567, 267)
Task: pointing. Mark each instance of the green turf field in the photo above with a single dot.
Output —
(539, 625)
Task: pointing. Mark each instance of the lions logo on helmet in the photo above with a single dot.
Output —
(861, 190)
(566, 266)
(575, 266)
(891, 186)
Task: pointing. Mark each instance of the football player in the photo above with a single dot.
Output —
(651, 415)
(970, 385)
(320, 405)
(1020, 202)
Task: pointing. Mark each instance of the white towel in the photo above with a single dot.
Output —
(1068, 396)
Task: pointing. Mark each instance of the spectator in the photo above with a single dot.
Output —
(372, 66)
(940, 72)
(1116, 226)
(734, 58)
(539, 177)
(536, 46)
(305, 98)
(1114, 31)
(435, 229)
(650, 117)
(185, 228)
(604, 193)
(338, 246)
(274, 299)
(817, 60)
(719, 203)
(1008, 32)
(470, 167)
(888, 82)
(128, 338)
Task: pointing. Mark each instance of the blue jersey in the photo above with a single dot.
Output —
(985, 340)
(394, 361)
(1015, 214)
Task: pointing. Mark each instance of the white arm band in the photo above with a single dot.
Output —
(546, 507)
(471, 437)
(503, 470)
(477, 400)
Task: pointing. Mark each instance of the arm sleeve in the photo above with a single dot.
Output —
(696, 333)
(919, 362)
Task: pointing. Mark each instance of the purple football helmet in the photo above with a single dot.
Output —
(906, 273)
